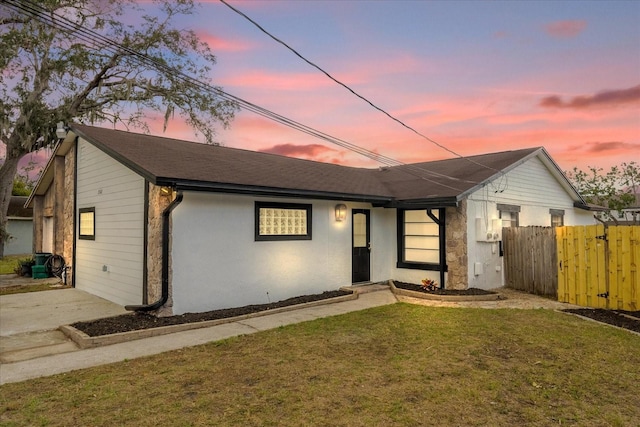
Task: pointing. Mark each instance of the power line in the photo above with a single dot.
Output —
(299, 55)
(99, 41)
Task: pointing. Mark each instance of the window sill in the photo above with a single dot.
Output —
(420, 266)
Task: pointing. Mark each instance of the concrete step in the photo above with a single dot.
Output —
(366, 287)
(31, 345)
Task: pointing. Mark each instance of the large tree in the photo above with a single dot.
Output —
(97, 61)
(615, 190)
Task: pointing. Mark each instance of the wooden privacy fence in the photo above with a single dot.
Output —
(598, 266)
(591, 266)
(530, 260)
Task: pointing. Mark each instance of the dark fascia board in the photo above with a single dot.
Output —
(269, 191)
(589, 207)
(440, 202)
(125, 161)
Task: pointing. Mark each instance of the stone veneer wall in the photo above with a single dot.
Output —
(456, 241)
(157, 204)
(68, 210)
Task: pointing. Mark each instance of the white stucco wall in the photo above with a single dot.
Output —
(415, 276)
(117, 193)
(535, 190)
(216, 262)
(383, 243)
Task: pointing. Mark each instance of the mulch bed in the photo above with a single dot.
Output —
(623, 319)
(418, 288)
(138, 321)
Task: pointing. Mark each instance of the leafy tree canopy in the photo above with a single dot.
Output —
(617, 190)
(52, 69)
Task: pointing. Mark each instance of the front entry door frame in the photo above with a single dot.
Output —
(361, 245)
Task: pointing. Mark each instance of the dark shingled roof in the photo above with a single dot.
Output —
(190, 165)
(17, 209)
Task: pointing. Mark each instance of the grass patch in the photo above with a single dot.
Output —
(398, 365)
(8, 263)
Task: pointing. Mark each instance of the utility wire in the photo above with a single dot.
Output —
(299, 55)
(99, 41)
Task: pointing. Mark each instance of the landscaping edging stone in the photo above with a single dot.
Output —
(597, 321)
(85, 341)
(435, 297)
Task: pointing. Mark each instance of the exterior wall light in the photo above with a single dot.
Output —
(166, 192)
(341, 212)
(61, 130)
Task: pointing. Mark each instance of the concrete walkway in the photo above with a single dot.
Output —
(32, 347)
(68, 357)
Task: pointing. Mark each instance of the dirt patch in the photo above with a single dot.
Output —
(623, 319)
(139, 321)
(452, 292)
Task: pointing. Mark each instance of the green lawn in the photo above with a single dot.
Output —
(8, 263)
(398, 365)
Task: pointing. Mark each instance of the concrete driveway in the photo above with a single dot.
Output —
(29, 322)
(47, 310)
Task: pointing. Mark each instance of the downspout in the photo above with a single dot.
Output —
(442, 241)
(166, 216)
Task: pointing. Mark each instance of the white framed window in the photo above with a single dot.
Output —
(282, 221)
(509, 214)
(87, 223)
(557, 217)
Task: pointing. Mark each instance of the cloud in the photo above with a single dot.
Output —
(604, 98)
(565, 29)
(605, 147)
(277, 80)
(219, 44)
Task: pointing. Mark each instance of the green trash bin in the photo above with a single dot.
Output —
(39, 272)
(41, 257)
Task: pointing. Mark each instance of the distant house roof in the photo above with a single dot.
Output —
(195, 166)
(17, 209)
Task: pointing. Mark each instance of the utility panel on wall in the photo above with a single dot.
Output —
(478, 268)
(492, 233)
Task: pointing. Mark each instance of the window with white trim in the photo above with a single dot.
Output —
(282, 221)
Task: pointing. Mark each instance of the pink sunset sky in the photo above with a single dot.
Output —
(474, 76)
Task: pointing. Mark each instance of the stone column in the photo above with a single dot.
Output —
(68, 211)
(58, 204)
(456, 241)
(158, 201)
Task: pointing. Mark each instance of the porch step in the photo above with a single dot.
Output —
(366, 287)
(31, 345)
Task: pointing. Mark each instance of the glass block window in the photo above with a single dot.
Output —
(282, 221)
